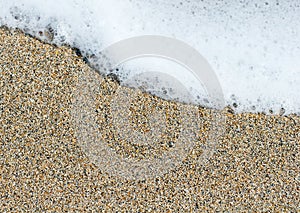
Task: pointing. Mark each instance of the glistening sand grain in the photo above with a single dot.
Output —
(43, 167)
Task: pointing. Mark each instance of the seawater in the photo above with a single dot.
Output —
(253, 46)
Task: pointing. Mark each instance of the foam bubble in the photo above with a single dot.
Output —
(253, 46)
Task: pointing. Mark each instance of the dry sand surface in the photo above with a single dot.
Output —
(49, 158)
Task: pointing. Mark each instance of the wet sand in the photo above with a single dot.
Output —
(47, 162)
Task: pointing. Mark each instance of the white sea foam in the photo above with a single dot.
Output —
(253, 46)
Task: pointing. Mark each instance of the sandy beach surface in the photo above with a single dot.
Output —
(49, 158)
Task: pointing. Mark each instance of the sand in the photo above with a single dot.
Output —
(54, 110)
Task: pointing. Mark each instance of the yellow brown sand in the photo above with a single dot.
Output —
(43, 167)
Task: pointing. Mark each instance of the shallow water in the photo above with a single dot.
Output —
(253, 46)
